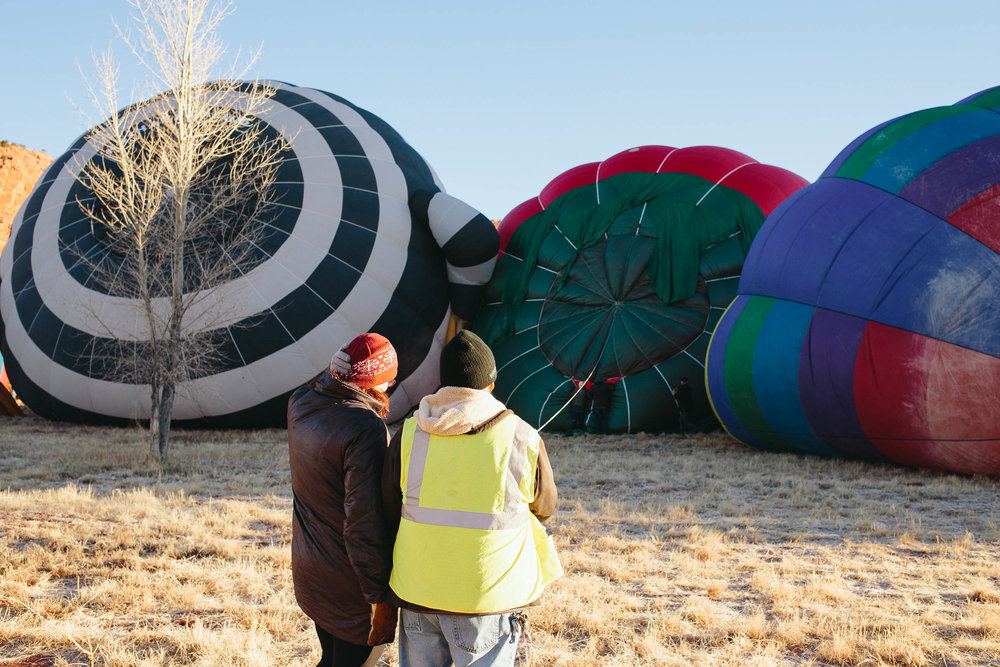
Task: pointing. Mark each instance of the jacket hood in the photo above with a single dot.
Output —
(456, 410)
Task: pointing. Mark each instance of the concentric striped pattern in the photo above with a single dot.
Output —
(621, 269)
(867, 323)
(363, 239)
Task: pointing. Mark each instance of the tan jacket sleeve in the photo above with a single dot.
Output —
(546, 496)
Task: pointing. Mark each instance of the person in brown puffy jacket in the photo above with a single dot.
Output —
(341, 547)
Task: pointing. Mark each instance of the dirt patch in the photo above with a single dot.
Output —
(31, 661)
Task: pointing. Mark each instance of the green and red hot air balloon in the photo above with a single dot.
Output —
(619, 270)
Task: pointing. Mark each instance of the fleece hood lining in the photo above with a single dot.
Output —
(456, 410)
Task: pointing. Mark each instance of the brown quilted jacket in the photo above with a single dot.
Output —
(341, 548)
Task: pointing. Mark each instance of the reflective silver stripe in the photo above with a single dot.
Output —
(517, 465)
(463, 519)
(415, 471)
(515, 512)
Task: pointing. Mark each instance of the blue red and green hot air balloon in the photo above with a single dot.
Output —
(868, 323)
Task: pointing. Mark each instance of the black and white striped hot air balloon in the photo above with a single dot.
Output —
(363, 238)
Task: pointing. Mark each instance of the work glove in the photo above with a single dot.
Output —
(340, 364)
(383, 624)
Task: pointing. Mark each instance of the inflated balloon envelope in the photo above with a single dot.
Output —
(619, 271)
(868, 323)
(363, 239)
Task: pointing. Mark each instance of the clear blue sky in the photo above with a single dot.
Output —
(500, 97)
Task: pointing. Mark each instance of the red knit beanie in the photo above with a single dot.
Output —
(373, 360)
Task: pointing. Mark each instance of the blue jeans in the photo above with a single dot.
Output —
(438, 640)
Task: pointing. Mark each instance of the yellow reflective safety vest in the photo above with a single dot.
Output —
(467, 541)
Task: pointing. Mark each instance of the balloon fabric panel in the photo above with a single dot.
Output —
(715, 372)
(950, 184)
(882, 260)
(987, 99)
(776, 359)
(826, 383)
(976, 218)
(914, 154)
(919, 399)
(869, 154)
(739, 376)
(847, 154)
(686, 221)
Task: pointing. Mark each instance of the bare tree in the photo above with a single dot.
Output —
(181, 186)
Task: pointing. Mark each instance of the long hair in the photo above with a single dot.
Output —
(380, 396)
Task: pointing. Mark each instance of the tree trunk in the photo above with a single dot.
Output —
(164, 419)
(154, 424)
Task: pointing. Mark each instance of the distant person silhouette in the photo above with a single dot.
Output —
(579, 406)
(600, 395)
(685, 399)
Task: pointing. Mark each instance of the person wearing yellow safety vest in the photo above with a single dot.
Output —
(469, 483)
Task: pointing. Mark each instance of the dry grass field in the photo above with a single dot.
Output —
(678, 551)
